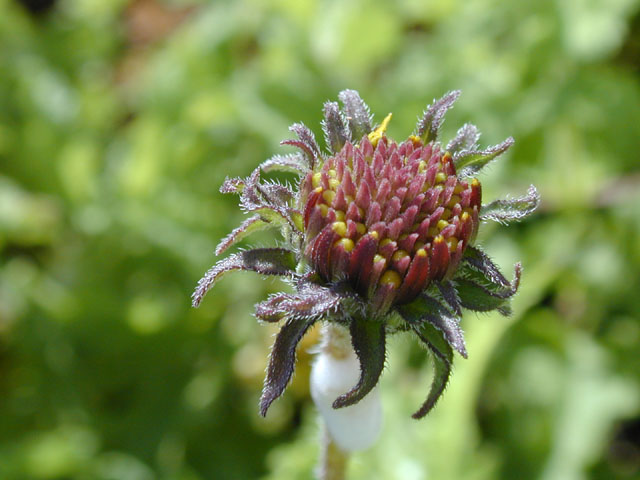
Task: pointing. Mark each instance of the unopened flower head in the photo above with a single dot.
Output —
(379, 237)
(389, 218)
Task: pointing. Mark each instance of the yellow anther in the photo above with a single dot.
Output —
(422, 166)
(346, 243)
(465, 217)
(441, 177)
(379, 258)
(421, 252)
(399, 255)
(374, 234)
(340, 228)
(349, 199)
(339, 215)
(446, 215)
(415, 140)
(385, 242)
(328, 196)
(332, 173)
(438, 239)
(376, 135)
(454, 199)
(433, 231)
(360, 228)
(316, 179)
(459, 189)
(453, 244)
(442, 224)
(319, 189)
(390, 278)
(323, 209)
(334, 183)
(475, 183)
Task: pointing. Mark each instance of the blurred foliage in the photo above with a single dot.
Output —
(119, 120)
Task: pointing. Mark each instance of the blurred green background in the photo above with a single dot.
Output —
(120, 119)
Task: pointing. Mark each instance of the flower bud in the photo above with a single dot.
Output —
(389, 218)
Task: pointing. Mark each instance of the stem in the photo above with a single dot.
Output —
(333, 460)
(336, 369)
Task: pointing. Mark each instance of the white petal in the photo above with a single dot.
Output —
(352, 428)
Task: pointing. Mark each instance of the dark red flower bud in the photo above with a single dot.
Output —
(397, 216)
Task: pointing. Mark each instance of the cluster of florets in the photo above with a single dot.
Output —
(388, 218)
(378, 238)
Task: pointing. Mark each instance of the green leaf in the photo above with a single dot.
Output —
(508, 210)
(282, 360)
(336, 132)
(357, 114)
(433, 116)
(368, 339)
(465, 139)
(293, 163)
(265, 261)
(470, 162)
(420, 314)
(442, 361)
(480, 261)
(249, 226)
(309, 301)
(427, 309)
(474, 296)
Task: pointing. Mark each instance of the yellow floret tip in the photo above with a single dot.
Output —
(316, 179)
(340, 228)
(377, 134)
(390, 278)
(346, 243)
(399, 255)
(328, 196)
(378, 258)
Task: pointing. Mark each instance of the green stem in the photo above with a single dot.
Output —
(333, 460)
